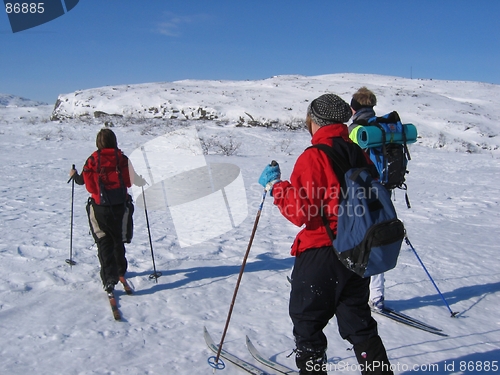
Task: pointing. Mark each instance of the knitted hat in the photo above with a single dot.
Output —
(329, 109)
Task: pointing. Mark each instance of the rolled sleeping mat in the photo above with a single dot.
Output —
(371, 136)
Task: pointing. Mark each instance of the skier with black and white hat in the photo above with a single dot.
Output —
(321, 285)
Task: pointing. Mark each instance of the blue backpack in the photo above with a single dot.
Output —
(369, 234)
(385, 139)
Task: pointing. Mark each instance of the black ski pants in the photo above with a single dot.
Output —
(321, 288)
(107, 226)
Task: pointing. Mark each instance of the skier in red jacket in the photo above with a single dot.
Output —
(321, 285)
(107, 174)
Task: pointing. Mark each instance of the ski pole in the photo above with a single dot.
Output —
(453, 314)
(215, 363)
(70, 261)
(155, 274)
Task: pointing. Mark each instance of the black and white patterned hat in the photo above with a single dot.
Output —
(329, 109)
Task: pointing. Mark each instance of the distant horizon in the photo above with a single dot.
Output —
(234, 80)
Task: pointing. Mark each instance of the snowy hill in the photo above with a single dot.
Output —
(55, 319)
(459, 115)
(17, 101)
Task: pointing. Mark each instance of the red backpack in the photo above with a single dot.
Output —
(106, 176)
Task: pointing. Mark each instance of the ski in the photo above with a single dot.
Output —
(267, 362)
(409, 321)
(407, 317)
(126, 286)
(114, 306)
(244, 365)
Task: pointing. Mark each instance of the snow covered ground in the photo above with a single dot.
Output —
(56, 320)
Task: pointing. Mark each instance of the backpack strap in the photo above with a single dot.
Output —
(329, 231)
(118, 171)
(98, 170)
(405, 146)
(384, 149)
(340, 167)
(408, 157)
(407, 199)
(99, 182)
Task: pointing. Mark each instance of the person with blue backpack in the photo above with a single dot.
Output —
(362, 104)
(384, 138)
(322, 286)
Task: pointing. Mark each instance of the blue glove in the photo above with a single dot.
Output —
(270, 175)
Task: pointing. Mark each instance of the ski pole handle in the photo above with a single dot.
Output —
(73, 167)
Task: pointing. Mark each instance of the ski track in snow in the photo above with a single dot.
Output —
(55, 319)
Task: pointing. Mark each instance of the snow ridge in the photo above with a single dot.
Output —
(454, 114)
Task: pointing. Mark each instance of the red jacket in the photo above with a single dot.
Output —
(108, 172)
(312, 184)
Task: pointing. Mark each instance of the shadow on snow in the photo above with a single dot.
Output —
(265, 262)
(460, 294)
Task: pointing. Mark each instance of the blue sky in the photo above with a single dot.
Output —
(113, 42)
